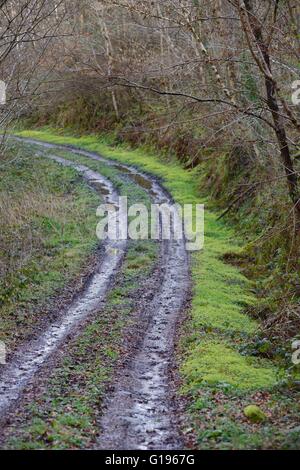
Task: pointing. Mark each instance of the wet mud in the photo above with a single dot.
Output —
(139, 412)
(26, 362)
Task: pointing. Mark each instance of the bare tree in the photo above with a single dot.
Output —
(27, 28)
(221, 42)
(260, 47)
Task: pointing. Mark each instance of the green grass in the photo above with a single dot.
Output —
(214, 363)
(213, 357)
(66, 414)
(48, 220)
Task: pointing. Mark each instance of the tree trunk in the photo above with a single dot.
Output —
(272, 101)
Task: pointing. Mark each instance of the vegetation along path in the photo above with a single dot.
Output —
(110, 384)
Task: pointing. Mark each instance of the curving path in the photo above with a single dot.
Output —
(139, 413)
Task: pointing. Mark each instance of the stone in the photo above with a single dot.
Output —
(254, 414)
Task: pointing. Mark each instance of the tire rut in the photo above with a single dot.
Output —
(140, 411)
(26, 362)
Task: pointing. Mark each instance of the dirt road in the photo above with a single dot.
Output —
(139, 411)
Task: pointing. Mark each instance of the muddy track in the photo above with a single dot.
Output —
(26, 362)
(139, 413)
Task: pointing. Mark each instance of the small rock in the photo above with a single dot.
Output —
(254, 414)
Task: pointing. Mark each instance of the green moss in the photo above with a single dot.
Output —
(254, 414)
(220, 293)
(214, 363)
